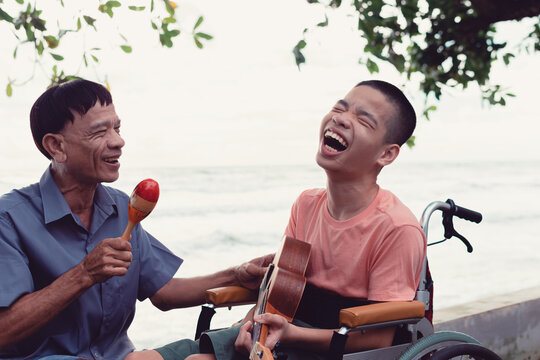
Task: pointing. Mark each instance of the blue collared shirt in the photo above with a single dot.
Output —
(40, 239)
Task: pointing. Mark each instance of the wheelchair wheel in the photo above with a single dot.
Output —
(465, 351)
(434, 342)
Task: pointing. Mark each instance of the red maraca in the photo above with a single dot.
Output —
(141, 203)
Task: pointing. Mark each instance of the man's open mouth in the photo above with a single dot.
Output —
(111, 160)
(333, 142)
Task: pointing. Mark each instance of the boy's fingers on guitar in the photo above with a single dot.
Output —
(243, 340)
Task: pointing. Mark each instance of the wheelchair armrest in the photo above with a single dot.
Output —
(231, 296)
(381, 312)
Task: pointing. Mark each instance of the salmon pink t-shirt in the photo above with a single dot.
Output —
(376, 255)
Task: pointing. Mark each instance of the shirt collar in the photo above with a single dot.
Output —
(55, 205)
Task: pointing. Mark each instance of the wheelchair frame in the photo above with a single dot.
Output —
(423, 342)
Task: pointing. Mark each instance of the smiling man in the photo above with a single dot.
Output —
(69, 283)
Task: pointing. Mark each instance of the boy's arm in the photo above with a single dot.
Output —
(313, 339)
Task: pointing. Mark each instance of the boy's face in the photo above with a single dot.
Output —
(352, 135)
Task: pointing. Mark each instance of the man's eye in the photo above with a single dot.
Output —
(117, 129)
(337, 109)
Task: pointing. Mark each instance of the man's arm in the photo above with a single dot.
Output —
(186, 292)
(111, 257)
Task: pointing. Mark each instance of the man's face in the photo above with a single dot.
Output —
(93, 145)
(352, 133)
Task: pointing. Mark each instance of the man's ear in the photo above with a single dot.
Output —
(54, 145)
(388, 155)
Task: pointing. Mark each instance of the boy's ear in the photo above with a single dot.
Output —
(388, 155)
(54, 145)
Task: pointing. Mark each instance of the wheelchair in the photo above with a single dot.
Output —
(415, 336)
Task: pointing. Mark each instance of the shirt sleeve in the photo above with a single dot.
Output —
(396, 265)
(158, 264)
(15, 279)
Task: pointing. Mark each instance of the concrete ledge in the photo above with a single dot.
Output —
(508, 324)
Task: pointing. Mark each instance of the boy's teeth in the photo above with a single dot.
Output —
(330, 148)
(333, 135)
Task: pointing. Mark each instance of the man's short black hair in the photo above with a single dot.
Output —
(55, 107)
(400, 126)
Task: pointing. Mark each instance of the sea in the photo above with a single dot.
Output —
(217, 217)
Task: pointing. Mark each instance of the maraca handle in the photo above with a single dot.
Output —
(127, 233)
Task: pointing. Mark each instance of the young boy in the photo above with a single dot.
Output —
(366, 245)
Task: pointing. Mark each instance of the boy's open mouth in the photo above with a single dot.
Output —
(333, 142)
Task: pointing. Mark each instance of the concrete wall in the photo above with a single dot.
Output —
(507, 324)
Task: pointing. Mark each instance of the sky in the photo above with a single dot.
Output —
(242, 100)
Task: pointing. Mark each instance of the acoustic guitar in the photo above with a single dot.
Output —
(281, 290)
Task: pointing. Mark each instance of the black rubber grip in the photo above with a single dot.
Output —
(467, 214)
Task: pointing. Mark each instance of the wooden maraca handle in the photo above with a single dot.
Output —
(141, 203)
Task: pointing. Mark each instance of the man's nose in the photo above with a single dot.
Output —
(116, 141)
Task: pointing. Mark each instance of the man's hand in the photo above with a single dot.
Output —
(250, 274)
(111, 257)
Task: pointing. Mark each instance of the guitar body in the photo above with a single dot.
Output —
(281, 290)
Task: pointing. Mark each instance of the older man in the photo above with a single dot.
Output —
(69, 282)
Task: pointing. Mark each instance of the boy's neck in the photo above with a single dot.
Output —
(347, 199)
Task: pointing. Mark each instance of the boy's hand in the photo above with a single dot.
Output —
(250, 274)
(277, 328)
(243, 340)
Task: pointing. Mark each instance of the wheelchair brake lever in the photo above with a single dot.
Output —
(450, 231)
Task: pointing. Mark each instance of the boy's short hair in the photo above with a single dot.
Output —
(401, 124)
(55, 107)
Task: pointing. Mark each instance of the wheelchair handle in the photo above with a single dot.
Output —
(464, 213)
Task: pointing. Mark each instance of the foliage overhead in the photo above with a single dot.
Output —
(444, 43)
(43, 35)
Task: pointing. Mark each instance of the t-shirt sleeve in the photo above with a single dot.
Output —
(396, 265)
(158, 264)
(15, 279)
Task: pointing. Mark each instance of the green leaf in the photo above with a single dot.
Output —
(5, 16)
(174, 33)
(204, 36)
(127, 49)
(89, 20)
(20, 1)
(299, 58)
(15, 51)
(137, 8)
(95, 58)
(113, 3)
(324, 23)
(198, 23)
(9, 90)
(57, 57)
(79, 24)
(372, 66)
(52, 42)
(198, 43)
(410, 142)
